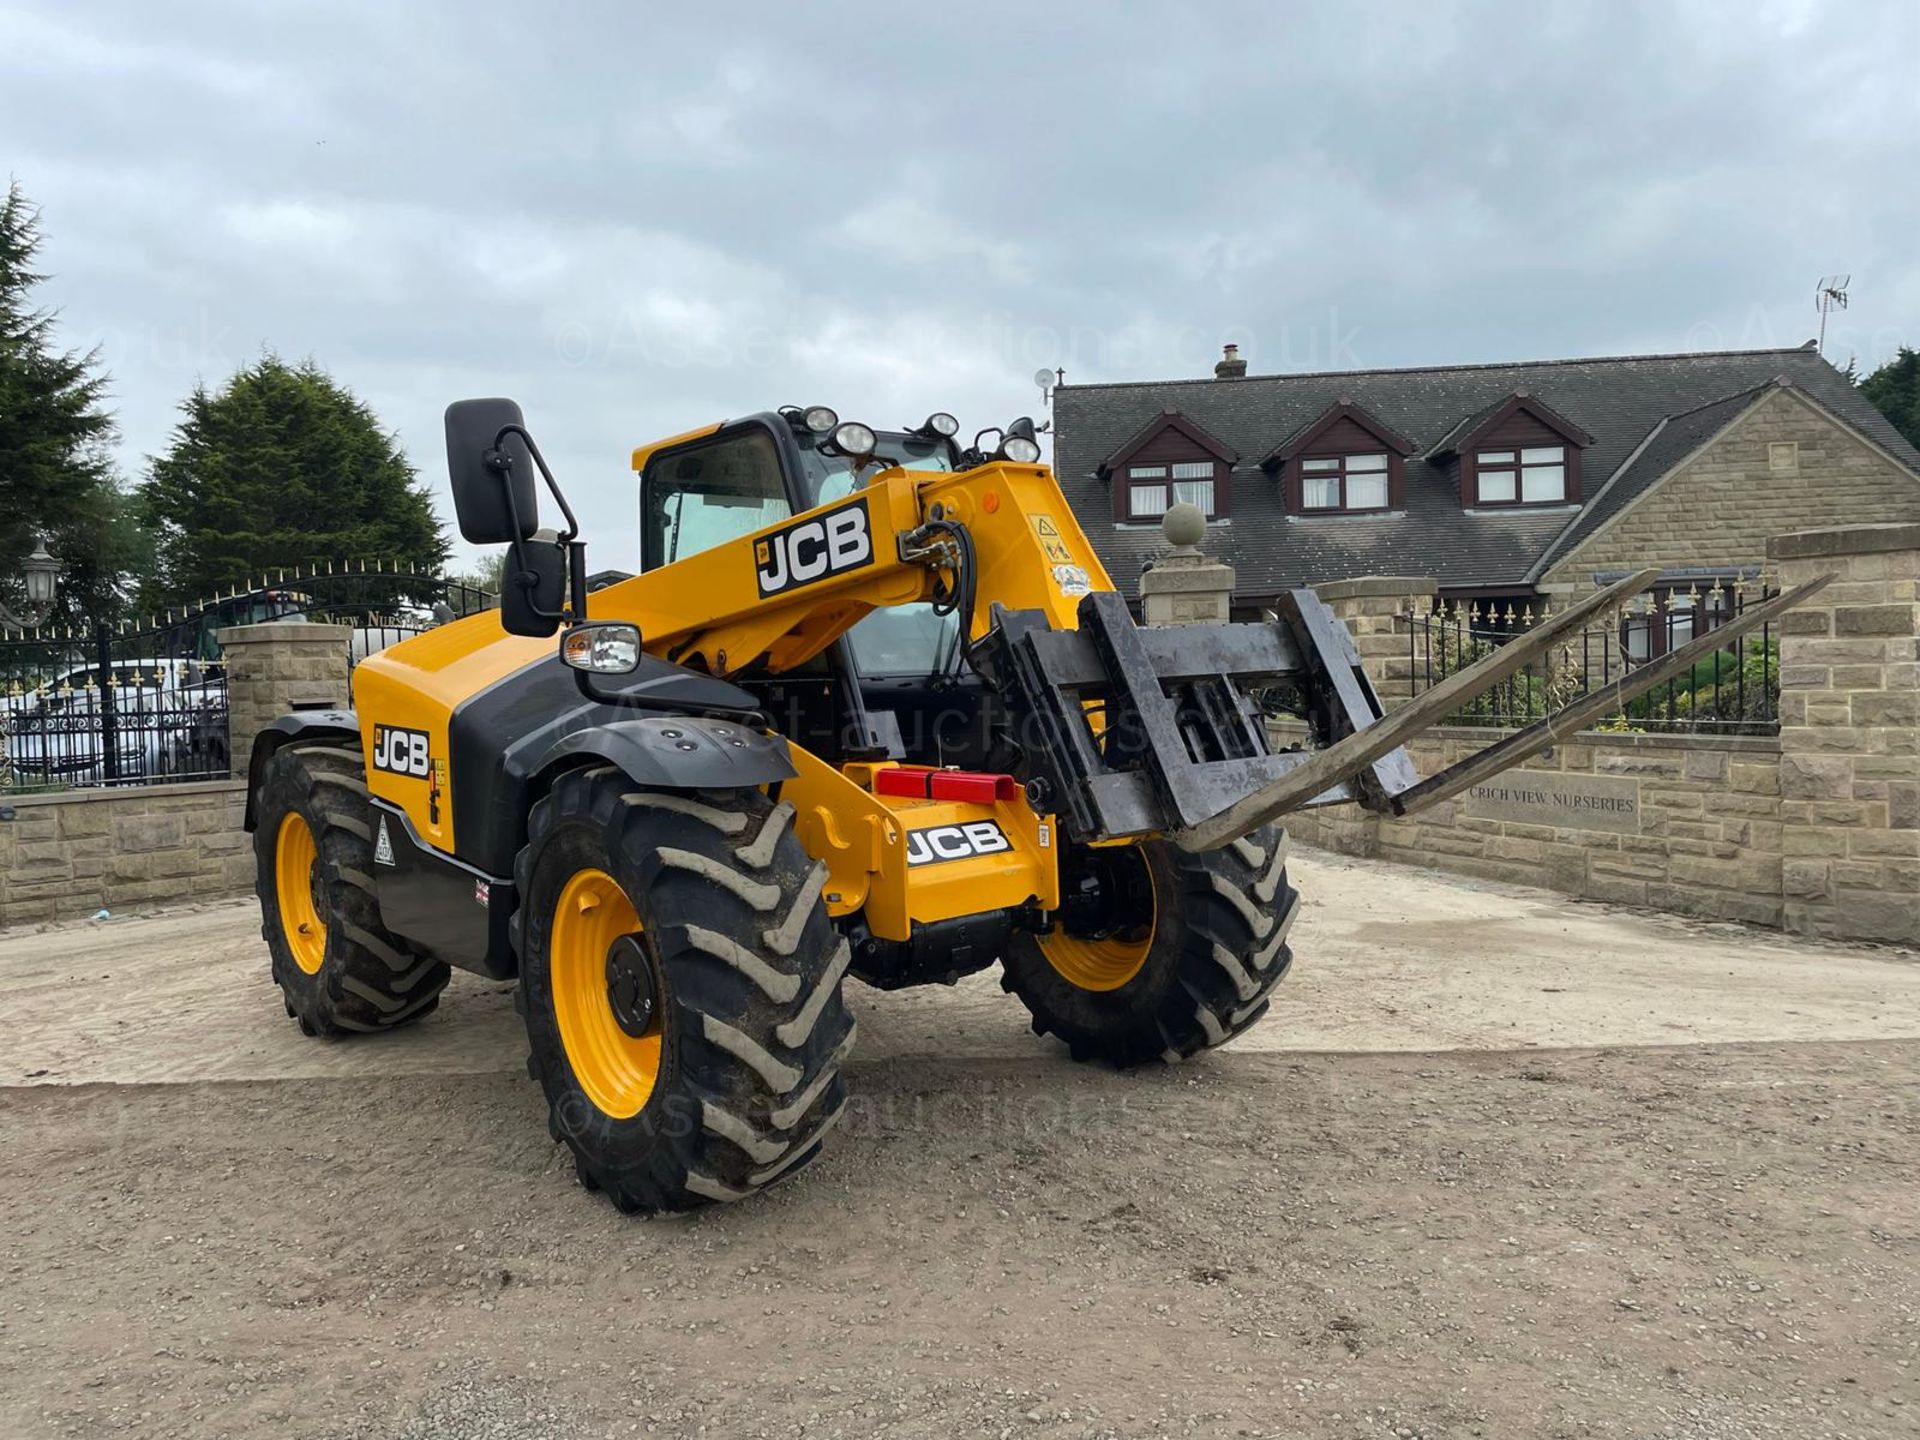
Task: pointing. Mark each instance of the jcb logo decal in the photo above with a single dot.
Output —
(812, 550)
(941, 843)
(401, 752)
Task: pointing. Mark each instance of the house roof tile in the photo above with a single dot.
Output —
(1621, 401)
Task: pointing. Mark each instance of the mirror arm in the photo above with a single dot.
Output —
(577, 578)
(553, 486)
(576, 610)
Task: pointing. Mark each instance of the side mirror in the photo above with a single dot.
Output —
(533, 587)
(491, 485)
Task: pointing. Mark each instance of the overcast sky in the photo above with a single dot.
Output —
(636, 219)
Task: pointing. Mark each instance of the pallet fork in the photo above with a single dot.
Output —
(1131, 731)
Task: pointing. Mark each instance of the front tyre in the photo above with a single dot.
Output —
(340, 970)
(680, 982)
(1158, 953)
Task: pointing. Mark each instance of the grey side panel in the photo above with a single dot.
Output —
(498, 741)
(457, 913)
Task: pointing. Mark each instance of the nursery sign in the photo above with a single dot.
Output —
(1565, 801)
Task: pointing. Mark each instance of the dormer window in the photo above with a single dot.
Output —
(1167, 461)
(1530, 475)
(1344, 482)
(1342, 460)
(1517, 451)
(1151, 489)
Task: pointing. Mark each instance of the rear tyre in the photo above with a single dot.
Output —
(340, 970)
(680, 982)
(1167, 953)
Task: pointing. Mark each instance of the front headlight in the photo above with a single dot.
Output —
(820, 419)
(603, 647)
(942, 424)
(1020, 450)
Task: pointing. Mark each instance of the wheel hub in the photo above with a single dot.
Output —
(1106, 920)
(630, 985)
(1105, 892)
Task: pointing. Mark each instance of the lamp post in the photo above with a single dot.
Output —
(41, 574)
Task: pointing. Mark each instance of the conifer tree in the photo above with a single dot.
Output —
(280, 467)
(56, 470)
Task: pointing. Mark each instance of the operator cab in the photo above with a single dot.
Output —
(902, 664)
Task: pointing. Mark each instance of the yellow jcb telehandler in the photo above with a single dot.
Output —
(872, 708)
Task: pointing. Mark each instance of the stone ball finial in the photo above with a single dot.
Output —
(1184, 525)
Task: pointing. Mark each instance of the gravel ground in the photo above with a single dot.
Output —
(1388, 959)
(1500, 1165)
(1709, 1242)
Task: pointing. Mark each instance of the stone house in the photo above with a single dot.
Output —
(1507, 483)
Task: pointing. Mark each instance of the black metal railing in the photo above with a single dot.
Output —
(109, 708)
(127, 704)
(1733, 691)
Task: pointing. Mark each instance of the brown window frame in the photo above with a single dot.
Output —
(1385, 473)
(1519, 467)
(1167, 481)
(1659, 622)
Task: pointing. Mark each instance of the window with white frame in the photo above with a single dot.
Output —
(1344, 482)
(1527, 475)
(1151, 489)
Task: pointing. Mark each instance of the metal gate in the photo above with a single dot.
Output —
(122, 704)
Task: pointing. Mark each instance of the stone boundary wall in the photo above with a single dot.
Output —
(66, 856)
(1679, 822)
(1816, 830)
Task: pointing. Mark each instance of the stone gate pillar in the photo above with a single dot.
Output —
(1372, 607)
(1850, 733)
(276, 668)
(1185, 586)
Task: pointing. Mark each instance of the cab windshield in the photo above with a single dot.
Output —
(709, 494)
(902, 639)
(829, 474)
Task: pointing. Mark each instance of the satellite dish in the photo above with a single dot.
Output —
(1043, 377)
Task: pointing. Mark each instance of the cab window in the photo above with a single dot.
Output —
(830, 476)
(696, 499)
(905, 640)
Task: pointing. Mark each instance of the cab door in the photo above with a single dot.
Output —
(713, 490)
(722, 487)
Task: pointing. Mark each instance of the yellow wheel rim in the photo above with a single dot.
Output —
(1102, 964)
(618, 1071)
(294, 857)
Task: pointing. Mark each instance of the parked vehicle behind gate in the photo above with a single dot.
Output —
(166, 720)
(106, 704)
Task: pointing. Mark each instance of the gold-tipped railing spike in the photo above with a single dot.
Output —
(1504, 754)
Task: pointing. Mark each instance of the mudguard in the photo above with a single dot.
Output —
(678, 752)
(301, 725)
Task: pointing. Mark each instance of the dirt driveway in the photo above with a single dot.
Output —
(1500, 1164)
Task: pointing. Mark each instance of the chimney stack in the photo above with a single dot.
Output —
(1230, 366)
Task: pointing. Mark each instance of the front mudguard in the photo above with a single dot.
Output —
(676, 752)
(302, 725)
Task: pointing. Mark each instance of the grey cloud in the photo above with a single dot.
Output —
(638, 219)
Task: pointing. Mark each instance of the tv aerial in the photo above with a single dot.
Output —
(1829, 295)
